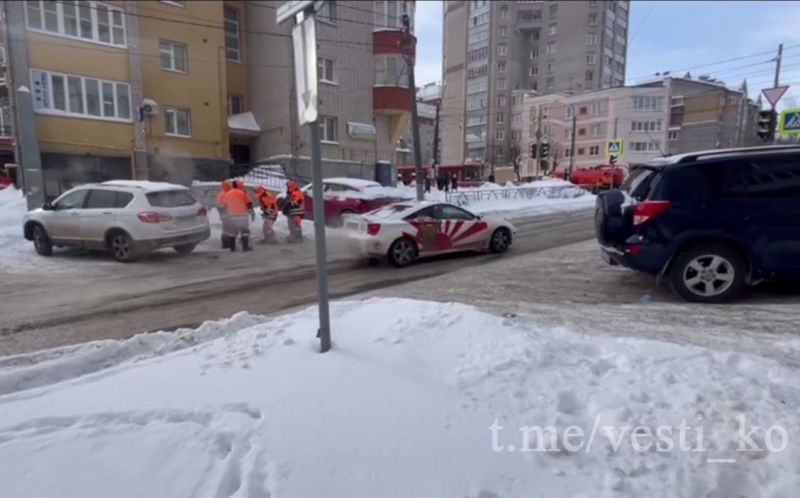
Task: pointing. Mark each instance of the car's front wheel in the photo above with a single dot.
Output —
(184, 248)
(402, 252)
(120, 244)
(710, 273)
(500, 241)
(41, 241)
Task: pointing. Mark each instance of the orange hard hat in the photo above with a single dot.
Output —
(291, 185)
(226, 185)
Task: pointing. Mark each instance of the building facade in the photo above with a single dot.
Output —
(429, 98)
(494, 48)
(365, 101)
(661, 118)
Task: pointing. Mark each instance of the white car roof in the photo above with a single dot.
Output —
(352, 182)
(144, 185)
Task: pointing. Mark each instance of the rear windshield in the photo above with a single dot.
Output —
(171, 198)
(639, 182)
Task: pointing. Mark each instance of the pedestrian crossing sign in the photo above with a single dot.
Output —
(614, 147)
(790, 122)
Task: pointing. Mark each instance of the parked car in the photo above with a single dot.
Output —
(405, 231)
(599, 177)
(344, 196)
(710, 222)
(126, 218)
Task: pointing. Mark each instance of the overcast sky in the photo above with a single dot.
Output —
(674, 36)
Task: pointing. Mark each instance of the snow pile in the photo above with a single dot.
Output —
(415, 399)
(373, 192)
(12, 242)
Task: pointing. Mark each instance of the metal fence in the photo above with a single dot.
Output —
(463, 198)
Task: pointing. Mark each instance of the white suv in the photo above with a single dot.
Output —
(126, 218)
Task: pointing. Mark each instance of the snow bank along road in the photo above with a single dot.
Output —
(110, 300)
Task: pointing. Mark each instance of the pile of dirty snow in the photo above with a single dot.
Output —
(12, 243)
(415, 399)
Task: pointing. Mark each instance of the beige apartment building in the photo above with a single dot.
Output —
(495, 48)
(658, 118)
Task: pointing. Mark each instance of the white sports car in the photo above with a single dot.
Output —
(405, 231)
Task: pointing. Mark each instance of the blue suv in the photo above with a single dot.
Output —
(710, 222)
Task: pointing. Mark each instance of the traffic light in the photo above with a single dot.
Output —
(765, 128)
(533, 151)
(545, 150)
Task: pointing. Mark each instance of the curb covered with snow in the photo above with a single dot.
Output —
(416, 399)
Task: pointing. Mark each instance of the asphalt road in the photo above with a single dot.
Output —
(112, 301)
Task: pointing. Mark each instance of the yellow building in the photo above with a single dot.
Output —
(126, 89)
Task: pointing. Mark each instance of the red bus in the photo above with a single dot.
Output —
(469, 174)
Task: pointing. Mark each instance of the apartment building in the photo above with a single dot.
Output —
(365, 101)
(6, 116)
(494, 48)
(651, 119)
(123, 89)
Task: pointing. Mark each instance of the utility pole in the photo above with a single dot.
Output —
(572, 143)
(778, 68)
(408, 53)
(539, 142)
(614, 171)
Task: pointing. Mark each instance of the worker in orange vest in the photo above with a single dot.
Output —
(294, 209)
(240, 213)
(269, 213)
(223, 213)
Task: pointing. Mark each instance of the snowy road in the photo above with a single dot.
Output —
(103, 299)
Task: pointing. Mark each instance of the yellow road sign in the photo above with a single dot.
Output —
(614, 147)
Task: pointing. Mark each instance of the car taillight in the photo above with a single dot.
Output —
(373, 228)
(648, 209)
(202, 211)
(153, 217)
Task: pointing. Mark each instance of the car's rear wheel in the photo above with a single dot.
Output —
(402, 252)
(184, 248)
(710, 273)
(120, 244)
(500, 241)
(41, 241)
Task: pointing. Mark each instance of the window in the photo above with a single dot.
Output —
(673, 135)
(553, 11)
(500, 135)
(501, 84)
(569, 110)
(500, 118)
(327, 13)
(546, 111)
(329, 129)
(71, 200)
(594, 150)
(552, 29)
(568, 152)
(503, 31)
(676, 101)
(232, 48)
(102, 199)
(646, 126)
(551, 66)
(501, 67)
(731, 99)
(651, 146)
(447, 212)
(591, 58)
(647, 103)
(592, 18)
(325, 70)
(534, 70)
(389, 14)
(235, 104)
(591, 40)
(504, 13)
(177, 122)
(764, 178)
(549, 83)
(85, 20)
(596, 129)
(502, 50)
(501, 101)
(581, 132)
(390, 70)
(589, 75)
(534, 53)
(176, 3)
(73, 95)
(529, 15)
(552, 47)
(173, 55)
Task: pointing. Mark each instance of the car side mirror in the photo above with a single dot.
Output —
(48, 206)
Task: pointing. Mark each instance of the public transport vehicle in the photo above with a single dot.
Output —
(468, 174)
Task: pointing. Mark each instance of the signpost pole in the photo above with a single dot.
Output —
(777, 71)
(319, 239)
(614, 170)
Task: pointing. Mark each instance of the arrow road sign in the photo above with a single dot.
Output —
(789, 123)
(614, 147)
(305, 70)
(773, 95)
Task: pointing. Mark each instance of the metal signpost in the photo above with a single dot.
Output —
(305, 65)
(613, 151)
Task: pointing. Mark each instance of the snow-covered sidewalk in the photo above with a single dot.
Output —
(416, 399)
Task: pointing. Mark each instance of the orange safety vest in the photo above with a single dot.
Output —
(237, 202)
(296, 208)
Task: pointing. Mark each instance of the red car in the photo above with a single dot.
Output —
(350, 196)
